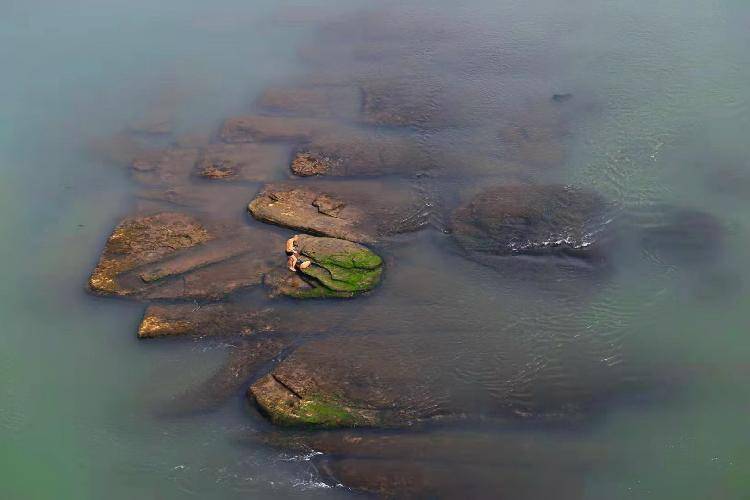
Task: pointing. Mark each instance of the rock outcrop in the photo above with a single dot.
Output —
(364, 212)
(172, 256)
(316, 101)
(138, 241)
(336, 383)
(352, 153)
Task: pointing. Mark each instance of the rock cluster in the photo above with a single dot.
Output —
(351, 161)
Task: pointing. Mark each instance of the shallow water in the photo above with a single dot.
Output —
(658, 118)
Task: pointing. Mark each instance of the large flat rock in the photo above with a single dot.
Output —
(363, 212)
(142, 240)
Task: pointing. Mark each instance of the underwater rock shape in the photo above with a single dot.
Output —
(316, 101)
(331, 268)
(352, 153)
(169, 167)
(532, 220)
(141, 240)
(205, 320)
(272, 129)
(242, 162)
(447, 462)
(419, 102)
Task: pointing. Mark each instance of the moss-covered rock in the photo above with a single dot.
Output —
(286, 407)
(347, 381)
(329, 267)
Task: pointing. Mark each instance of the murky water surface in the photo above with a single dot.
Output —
(536, 374)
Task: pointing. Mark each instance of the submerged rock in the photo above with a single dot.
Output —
(272, 128)
(170, 320)
(317, 101)
(141, 240)
(350, 153)
(330, 267)
(165, 168)
(356, 211)
(532, 220)
(417, 102)
(242, 162)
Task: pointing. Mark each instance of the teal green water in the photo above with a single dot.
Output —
(77, 390)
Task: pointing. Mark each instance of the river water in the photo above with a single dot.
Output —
(662, 114)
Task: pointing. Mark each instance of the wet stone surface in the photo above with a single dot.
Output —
(142, 240)
(364, 212)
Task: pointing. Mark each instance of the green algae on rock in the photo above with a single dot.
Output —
(338, 268)
(284, 406)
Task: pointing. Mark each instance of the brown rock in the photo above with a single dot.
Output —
(328, 206)
(231, 319)
(361, 211)
(205, 320)
(141, 240)
(293, 207)
(207, 272)
(306, 164)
